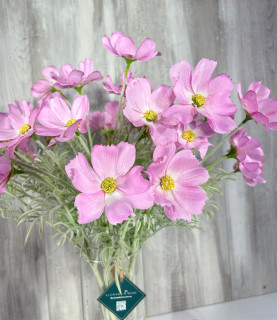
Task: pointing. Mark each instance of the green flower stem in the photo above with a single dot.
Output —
(226, 138)
(128, 63)
(86, 148)
(79, 90)
(15, 197)
(89, 137)
(140, 133)
(99, 279)
(211, 165)
(33, 168)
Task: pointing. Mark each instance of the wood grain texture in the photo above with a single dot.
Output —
(236, 256)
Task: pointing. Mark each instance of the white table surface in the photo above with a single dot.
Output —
(262, 307)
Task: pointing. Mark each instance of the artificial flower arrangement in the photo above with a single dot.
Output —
(108, 180)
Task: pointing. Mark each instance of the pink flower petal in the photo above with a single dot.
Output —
(86, 67)
(82, 175)
(138, 94)
(80, 107)
(181, 71)
(202, 74)
(49, 72)
(183, 113)
(145, 50)
(161, 98)
(126, 158)
(143, 200)
(75, 77)
(250, 102)
(221, 124)
(184, 96)
(163, 197)
(156, 170)
(106, 43)
(49, 132)
(162, 134)
(132, 182)
(60, 109)
(90, 206)
(192, 177)
(118, 208)
(94, 76)
(134, 116)
(115, 36)
(220, 83)
(261, 118)
(8, 134)
(261, 91)
(40, 88)
(125, 47)
(162, 152)
(104, 161)
(191, 199)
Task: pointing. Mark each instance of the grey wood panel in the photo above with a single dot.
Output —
(23, 287)
(236, 255)
(252, 221)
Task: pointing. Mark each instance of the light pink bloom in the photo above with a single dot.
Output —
(250, 156)
(109, 86)
(197, 92)
(74, 78)
(258, 105)
(195, 136)
(120, 45)
(44, 87)
(145, 108)
(99, 120)
(111, 185)
(176, 178)
(5, 171)
(59, 121)
(17, 125)
(27, 148)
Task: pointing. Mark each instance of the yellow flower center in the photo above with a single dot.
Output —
(108, 185)
(188, 135)
(167, 183)
(25, 128)
(150, 115)
(198, 100)
(70, 122)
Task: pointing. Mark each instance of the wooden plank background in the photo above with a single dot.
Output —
(236, 256)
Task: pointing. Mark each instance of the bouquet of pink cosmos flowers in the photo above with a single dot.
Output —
(108, 180)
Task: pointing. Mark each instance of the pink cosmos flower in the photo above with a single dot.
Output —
(44, 87)
(250, 156)
(27, 148)
(73, 78)
(176, 178)
(257, 104)
(145, 108)
(67, 77)
(99, 120)
(109, 86)
(5, 171)
(111, 185)
(17, 125)
(120, 45)
(197, 92)
(195, 136)
(59, 121)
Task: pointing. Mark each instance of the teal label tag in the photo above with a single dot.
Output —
(122, 305)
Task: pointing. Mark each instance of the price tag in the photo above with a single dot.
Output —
(122, 304)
